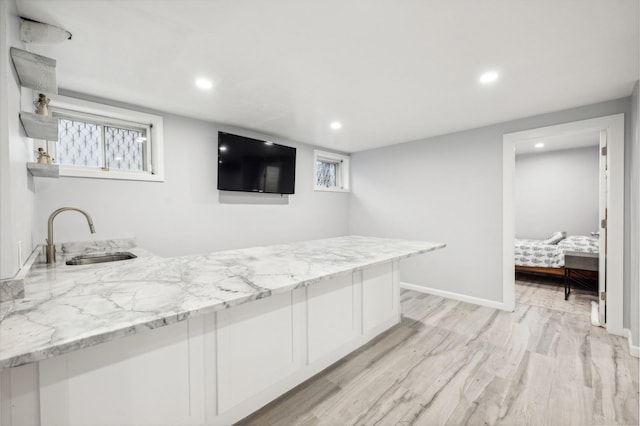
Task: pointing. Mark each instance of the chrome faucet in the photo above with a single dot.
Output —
(51, 248)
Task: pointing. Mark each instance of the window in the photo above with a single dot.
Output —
(331, 171)
(85, 143)
(101, 141)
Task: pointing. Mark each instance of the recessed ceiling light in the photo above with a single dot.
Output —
(539, 145)
(223, 148)
(488, 77)
(268, 143)
(335, 125)
(204, 84)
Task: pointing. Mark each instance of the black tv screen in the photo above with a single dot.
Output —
(252, 165)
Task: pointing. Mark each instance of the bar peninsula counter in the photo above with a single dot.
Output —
(192, 340)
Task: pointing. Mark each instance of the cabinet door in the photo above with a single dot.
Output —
(19, 399)
(149, 378)
(380, 296)
(333, 320)
(258, 345)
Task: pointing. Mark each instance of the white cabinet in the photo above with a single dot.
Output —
(144, 379)
(19, 396)
(333, 315)
(258, 345)
(379, 296)
(212, 369)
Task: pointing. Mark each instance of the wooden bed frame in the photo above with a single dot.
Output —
(550, 271)
(540, 270)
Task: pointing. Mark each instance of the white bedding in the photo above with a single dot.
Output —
(537, 253)
(580, 243)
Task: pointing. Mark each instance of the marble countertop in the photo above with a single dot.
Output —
(66, 308)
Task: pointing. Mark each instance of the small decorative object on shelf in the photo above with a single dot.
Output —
(42, 105)
(44, 157)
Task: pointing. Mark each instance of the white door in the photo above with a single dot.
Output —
(602, 274)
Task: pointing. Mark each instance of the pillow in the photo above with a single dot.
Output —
(556, 237)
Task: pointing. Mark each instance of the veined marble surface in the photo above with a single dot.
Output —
(11, 289)
(66, 308)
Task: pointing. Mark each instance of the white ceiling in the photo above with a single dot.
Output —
(391, 71)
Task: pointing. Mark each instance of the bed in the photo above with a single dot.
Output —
(547, 257)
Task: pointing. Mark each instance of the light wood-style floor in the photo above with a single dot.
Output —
(451, 362)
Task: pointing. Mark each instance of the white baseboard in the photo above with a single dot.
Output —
(622, 332)
(634, 350)
(454, 296)
(626, 333)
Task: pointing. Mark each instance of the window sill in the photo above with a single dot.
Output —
(328, 189)
(111, 174)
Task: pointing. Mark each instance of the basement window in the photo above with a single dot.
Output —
(331, 171)
(100, 141)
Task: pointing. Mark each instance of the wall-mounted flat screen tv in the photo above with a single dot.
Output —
(253, 165)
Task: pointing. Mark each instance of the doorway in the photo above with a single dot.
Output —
(556, 208)
(611, 130)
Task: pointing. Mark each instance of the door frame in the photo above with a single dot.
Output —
(603, 178)
(613, 125)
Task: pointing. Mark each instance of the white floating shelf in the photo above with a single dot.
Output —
(35, 71)
(44, 170)
(39, 126)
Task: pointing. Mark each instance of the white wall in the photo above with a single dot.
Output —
(16, 197)
(556, 191)
(448, 189)
(632, 225)
(184, 214)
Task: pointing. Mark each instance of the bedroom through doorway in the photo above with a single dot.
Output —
(554, 210)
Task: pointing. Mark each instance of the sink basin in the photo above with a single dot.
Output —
(100, 258)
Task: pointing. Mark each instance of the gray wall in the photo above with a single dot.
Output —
(449, 189)
(16, 196)
(185, 214)
(556, 191)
